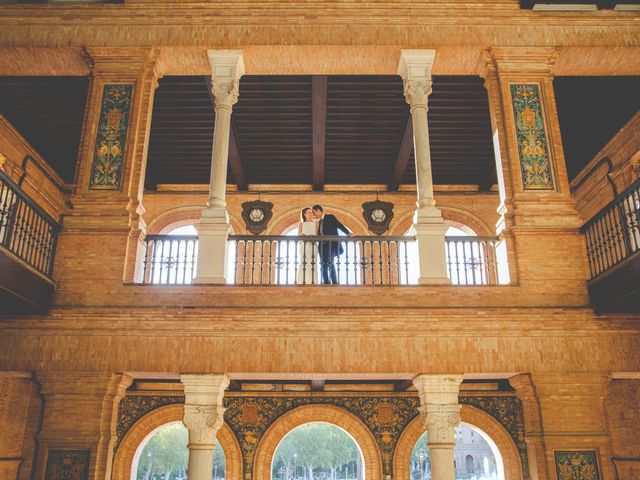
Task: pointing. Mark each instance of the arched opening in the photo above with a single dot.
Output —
(317, 451)
(163, 455)
(476, 456)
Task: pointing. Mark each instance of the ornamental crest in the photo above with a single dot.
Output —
(67, 465)
(577, 465)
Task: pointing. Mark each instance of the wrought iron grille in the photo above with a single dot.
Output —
(613, 234)
(170, 259)
(472, 260)
(26, 230)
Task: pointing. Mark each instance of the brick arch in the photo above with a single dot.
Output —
(291, 216)
(455, 216)
(339, 417)
(127, 449)
(181, 216)
(474, 417)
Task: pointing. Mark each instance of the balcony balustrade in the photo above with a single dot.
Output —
(26, 230)
(290, 260)
(613, 235)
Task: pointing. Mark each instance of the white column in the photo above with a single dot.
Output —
(415, 70)
(203, 417)
(440, 413)
(227, 66)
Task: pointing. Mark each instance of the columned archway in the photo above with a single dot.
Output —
(474, 417)
(318, 413)
(144, 427)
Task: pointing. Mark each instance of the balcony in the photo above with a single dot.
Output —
(613, 249)
(27, 247)
(291, 260)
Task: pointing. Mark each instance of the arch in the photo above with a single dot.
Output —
(182, 216)
(291, 216)
(474, 417)
(339, 417)
(140, 430)
(455, 216)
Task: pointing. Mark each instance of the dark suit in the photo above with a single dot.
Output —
(330, 225)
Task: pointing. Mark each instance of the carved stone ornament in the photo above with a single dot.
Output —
(416, 92)
(440, 422)
(256, 215)
(203, 422)
(378, 215)
(225, 92)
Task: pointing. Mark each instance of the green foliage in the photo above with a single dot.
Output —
(315, 450)
(166, 456)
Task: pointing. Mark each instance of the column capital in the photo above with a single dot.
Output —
(227, 66)
(439, 407)
(524, 62)
(415, 70)
(203, 408)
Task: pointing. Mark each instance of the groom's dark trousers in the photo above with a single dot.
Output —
(329, 251)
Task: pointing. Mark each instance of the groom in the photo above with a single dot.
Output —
(329, 225)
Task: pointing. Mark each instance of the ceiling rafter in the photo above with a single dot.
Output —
(235, 160)
(402, 158)
(319, 125)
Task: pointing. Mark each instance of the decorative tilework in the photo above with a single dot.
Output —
(249, 417)
(67, 465)
(577, 465)
(108, 159)
(533, 148)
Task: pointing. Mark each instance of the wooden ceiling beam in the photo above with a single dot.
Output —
(402, 158)
(319, 125)
(235, 162)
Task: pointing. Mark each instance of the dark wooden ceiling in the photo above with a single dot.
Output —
(321, 130)
(317, 130)
(48, 112)
(591, 111)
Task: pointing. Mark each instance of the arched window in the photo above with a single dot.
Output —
(164, 455)
(317, 450)
(471, 443)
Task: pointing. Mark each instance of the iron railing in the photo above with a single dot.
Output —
(292, 260)
(472, 260)
(287, 260)
(613, 234)
(170, 259)
(26, 230)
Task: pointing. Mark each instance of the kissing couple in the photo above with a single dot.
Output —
(314, 222)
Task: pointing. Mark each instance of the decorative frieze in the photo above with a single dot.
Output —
(67, 465)
(111, 137)
(533, 148)
(577, 465)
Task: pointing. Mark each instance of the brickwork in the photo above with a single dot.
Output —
(623, 415)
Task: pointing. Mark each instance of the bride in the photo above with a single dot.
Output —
(308, 267)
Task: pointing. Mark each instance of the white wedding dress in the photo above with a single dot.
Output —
(308, 265)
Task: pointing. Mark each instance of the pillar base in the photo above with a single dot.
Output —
(213, 232)
(430, 230)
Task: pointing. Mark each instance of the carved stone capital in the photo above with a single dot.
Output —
(203, 409)
(417, 92)
(440, 422)
(225, 92)
(203, 423)
(227, 66)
